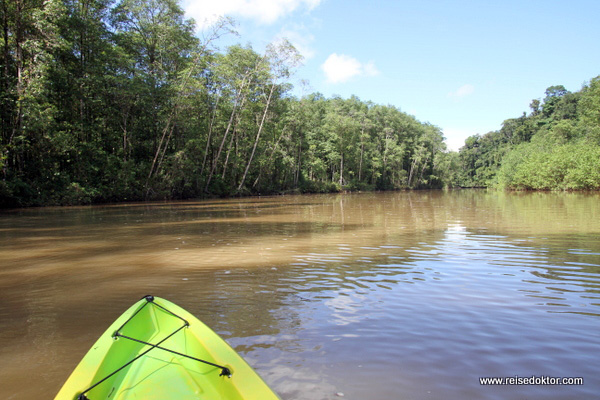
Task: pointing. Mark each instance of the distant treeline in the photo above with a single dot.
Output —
(555, 147)
(104, 101)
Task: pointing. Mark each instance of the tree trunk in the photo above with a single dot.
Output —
(412, 168)
(342, 169)
(5, 113)
(362, 151)
(158, 149)
(298, 165)
(18, 121)
(262, 122)
(6, 55)
(229, 124)
(233, 134)
(210, 129)
(165, 148)
(270, 157)
(422, 170)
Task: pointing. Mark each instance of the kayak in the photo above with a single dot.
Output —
(157, 350)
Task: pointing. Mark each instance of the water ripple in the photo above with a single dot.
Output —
(379, 296)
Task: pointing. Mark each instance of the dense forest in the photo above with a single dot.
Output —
(555, 147)
(106, 101)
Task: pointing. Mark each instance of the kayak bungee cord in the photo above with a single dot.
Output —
(150, 299)
(224, 370)
(82, 395)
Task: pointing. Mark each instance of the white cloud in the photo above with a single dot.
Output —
(369, 69)
(301, 39)
(206, 12)
(455, 137)
(463, 91)
(340, 68)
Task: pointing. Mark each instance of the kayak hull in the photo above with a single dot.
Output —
(158, 350)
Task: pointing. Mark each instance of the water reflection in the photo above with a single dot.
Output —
(382, 295)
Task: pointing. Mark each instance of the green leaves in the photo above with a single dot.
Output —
(361, 145)
(590, 104)
(557, 148)
(572, 166)
(107, 100)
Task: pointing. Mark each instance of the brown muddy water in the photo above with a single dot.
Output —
(405, 295)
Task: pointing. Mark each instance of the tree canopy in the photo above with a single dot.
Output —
(106, 101)
(555, 147)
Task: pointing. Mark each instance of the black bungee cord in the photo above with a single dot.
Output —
(150, 299)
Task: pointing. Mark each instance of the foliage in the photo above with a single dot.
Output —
(105, 101)
(555, 147)
(569, 166)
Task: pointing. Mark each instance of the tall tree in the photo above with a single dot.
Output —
(159, 41)
(282, 57)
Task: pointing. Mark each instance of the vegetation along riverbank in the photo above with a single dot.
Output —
(106, 102)
(554, 147)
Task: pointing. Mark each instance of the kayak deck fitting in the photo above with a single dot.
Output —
(157, 350)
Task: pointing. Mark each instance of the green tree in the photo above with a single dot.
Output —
(282, 57)
(590, 110)
(159, 42)
(30, 37)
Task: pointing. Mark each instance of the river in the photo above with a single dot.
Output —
(394, 295)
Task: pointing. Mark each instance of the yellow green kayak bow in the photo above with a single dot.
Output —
(157, 350)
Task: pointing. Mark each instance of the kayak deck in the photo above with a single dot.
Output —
(157, 350)
(160, 378)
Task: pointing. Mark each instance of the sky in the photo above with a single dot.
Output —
(464, 66)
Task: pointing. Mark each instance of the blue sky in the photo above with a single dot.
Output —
(464, 66)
